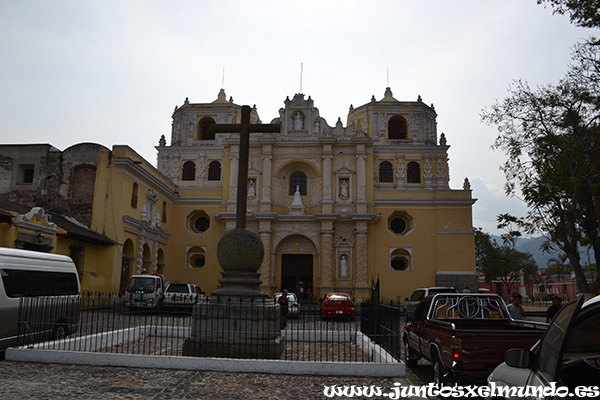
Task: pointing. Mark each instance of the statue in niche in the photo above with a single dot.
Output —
(343, 265)
(298, 121)
(317, 126)
(251, 189)
(344, 188)
(297, 197)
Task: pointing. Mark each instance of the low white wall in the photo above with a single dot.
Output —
(384, 364)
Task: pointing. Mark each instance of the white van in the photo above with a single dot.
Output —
(145, 292)
(39, 297)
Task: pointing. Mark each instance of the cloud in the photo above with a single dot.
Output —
(491, 202)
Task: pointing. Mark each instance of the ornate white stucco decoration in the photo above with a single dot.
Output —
(296, 244)
(427, 169)
(40, 214)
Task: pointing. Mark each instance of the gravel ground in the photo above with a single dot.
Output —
(52, 381)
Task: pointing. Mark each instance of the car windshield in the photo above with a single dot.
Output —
(141, 284)
(338, 297)
(178, 288)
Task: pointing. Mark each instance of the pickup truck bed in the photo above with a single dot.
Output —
(462, 344)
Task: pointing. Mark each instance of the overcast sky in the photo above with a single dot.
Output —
(111, 72)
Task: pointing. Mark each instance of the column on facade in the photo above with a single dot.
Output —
(266, 269)
(265, 195)
(327, 262)
(233, 178)
(361, 182)
(327, 184)
(361, 260)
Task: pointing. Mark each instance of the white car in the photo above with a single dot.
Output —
(568, 354)
(182, 295)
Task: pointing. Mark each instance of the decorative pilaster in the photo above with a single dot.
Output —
(233, 179)
(361, 181)
(265, 268)
(265, 198)
(327, 262)
(361, 261)
(327, 162)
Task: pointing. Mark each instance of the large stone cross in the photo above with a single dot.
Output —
(244, 128)
(240, 251)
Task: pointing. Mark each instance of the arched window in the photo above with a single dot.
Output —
(298, 179)
(397, 128)
(134, 195)
(386, 174)
(203, 132)
(413, 172)
(189, 171)
(214, 171)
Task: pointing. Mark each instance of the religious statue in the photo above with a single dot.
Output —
(317, 126)
(343, 266)
(297, 197)
(298, 121)
(344, 188)
(251, 189)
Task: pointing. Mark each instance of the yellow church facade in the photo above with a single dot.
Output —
(337, 207)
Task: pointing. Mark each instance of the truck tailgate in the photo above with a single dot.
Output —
(483, 350)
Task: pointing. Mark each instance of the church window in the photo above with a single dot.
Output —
(386, 172)
(198, 221)
(26, 172)
(214, 171)
(189, 171)
(397, 128)
(203, 129)
(201, 224)
(400, 223)
(196, 257)
(400, 260)
(164, 212)
(298, 179)
(134, 195)
(413, 172)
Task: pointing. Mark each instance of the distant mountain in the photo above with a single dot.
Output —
(533, 246)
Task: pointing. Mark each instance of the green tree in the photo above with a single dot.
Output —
(551, 136)
(581, 12)
(502, 262)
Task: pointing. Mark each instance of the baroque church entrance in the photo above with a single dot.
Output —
(296, 271)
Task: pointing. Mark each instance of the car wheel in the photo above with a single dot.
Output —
(439, 373)
(59, 332)
(408, 360)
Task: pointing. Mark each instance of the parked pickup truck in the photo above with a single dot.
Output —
(465, 335)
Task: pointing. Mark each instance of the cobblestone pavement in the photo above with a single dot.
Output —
(19, 380)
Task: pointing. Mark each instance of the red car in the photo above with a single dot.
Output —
(337, 305)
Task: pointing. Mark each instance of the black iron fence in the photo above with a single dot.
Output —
(220, 327)
(383, 324)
